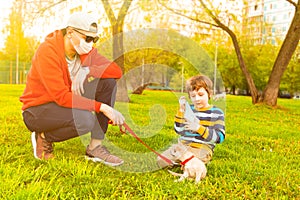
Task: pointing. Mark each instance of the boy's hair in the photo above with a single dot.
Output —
(199, 81)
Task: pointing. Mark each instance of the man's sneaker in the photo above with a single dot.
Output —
(101, 154)
(42, 149)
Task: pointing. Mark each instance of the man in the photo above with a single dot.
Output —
(71, 90)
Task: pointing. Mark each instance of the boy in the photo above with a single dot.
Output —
(201, 133)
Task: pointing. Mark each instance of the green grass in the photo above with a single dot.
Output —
(258, 160)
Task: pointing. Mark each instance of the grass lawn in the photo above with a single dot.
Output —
(259, 158)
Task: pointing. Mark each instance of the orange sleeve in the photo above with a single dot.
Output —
(100, 67)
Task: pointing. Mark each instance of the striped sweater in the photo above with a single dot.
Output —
(211, 131)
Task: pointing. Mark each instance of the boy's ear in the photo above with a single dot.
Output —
(189, 95)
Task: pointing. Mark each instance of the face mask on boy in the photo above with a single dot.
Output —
(83, 47)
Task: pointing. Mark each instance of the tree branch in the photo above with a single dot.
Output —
(109, 12)
(41, 11)
(242, 64)
(124, 9)
(292, 2)
(191, 18)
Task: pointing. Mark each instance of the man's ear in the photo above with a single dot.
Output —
(69, 31)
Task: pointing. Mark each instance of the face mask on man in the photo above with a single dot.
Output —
(83, 47)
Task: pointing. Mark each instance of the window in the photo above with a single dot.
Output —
(283, 28)
(273, 42)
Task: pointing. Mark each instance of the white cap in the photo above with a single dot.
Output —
(83, 21)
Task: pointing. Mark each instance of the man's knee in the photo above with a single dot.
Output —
(106, 91)
(109, 81)
(107, 84)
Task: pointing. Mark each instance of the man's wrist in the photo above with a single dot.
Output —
(103, 108)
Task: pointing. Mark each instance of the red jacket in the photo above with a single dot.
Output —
(49, 80)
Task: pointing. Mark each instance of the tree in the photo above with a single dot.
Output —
(118, 51)
(18, 48)
(284, 56)
(270, 93)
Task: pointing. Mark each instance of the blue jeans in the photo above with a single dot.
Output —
(60, 123)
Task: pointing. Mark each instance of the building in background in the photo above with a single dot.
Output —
(267, 21)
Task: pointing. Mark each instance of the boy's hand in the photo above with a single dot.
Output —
(192, 125)
(182, 102)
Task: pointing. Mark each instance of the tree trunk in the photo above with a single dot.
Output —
(118, 50)
(140, 89)
(118, 54)
(251, 84)
(284, 56)
(233, 89)
(249, 79)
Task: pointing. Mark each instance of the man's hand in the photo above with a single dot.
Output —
(77, 84)
(192, 125)
(115, 116)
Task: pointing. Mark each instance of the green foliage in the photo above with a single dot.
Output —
(150, 56)
(164, 54)
(15, 44)
(291, 79)
(18, 51)
(161, 46)
(259, 60)
(227, 64)
(258, 160)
